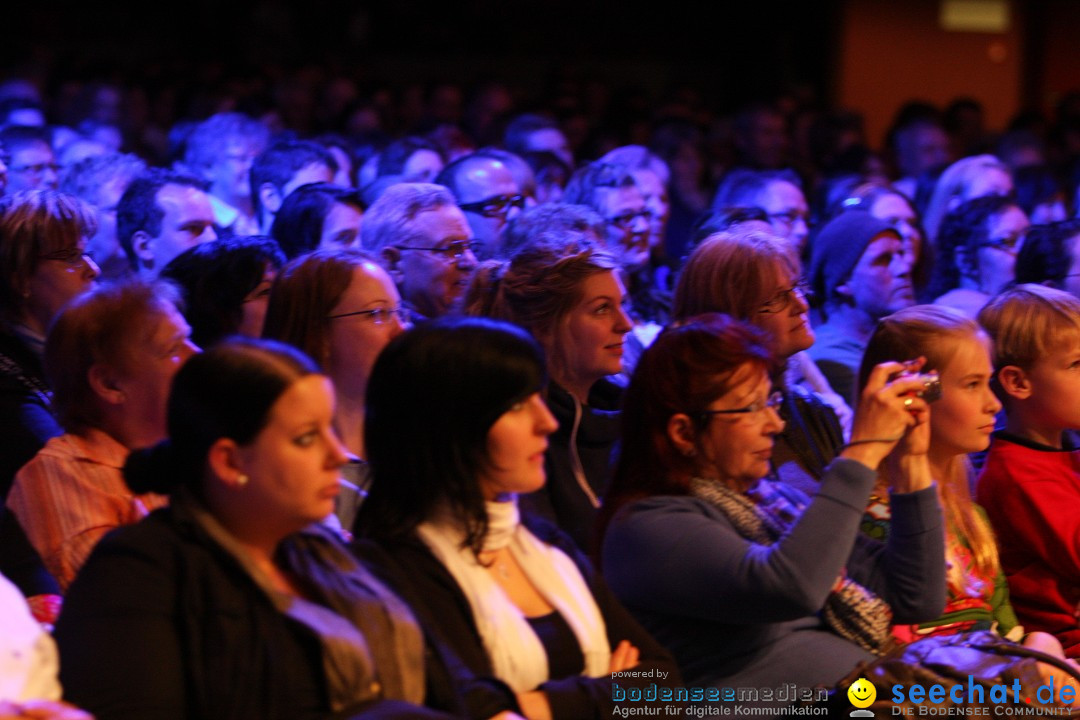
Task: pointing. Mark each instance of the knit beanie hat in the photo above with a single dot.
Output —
(839, 245)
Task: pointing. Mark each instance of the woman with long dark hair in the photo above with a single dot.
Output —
(456, 429)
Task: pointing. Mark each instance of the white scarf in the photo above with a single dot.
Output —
(516, 653)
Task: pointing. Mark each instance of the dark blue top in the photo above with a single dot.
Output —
(735, 613)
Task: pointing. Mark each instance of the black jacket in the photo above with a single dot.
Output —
(163, 623)
(423, 581)
(585, 440)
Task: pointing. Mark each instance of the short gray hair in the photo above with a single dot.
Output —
(389, 220)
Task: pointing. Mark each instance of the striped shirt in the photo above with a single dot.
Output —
(71, 494)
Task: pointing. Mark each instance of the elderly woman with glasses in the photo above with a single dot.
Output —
(342, 309)
(750, 582)
(977, 248)
(43, 266)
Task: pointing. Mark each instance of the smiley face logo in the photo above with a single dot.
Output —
(861, 693)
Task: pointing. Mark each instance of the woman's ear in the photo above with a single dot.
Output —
(680, 430)
(226, 463)
(104, 384)
(1015, 382)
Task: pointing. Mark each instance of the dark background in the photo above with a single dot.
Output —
(728, 52)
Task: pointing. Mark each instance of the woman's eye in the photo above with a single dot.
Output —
(306, 439)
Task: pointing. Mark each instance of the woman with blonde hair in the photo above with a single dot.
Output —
(570, 298)
(958, 350)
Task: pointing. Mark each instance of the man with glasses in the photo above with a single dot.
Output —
(425, 242)
(486, 192)
(861, 269)
(777, 193)
(30, 161)
(612, 191)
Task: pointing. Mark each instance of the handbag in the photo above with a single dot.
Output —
(992, 673)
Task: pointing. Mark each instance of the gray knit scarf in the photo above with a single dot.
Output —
(763, 515)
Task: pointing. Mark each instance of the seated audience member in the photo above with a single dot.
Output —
(423, 239)
(550, 173)
(1050, 254)
(536, 133)
(958, 351)
(886, 203)
(715, 221)
(487, 193)
(920, 145)
(778, 193)
(977, 248)
(1030, 483)
(221, 150)
(31, 164)
(1039, 194)
(341, 308)
(43, 266)
(652, 175)
(225, 285)
(570, 298)
(555, 223)
(752, 583)
(110, 357)
(613, 193)
(341, 149)
(233, 601)
(101, 181)
(520, 170)
(28, 664)
(860, 269)
(966, 179)
(410, 159)
(511, 593)
(753, 277)
(160, 215)
(280, 169)
(318, 216)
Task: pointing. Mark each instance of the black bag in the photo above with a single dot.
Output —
(979, 659)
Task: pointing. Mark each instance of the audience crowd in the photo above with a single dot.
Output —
(322, 406)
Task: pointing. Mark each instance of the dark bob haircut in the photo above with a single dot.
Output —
(216, 277)
(433, 396)
(225, 392)
(298, 225)
(1047, 253)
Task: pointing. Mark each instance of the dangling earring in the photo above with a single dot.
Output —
(242, 480)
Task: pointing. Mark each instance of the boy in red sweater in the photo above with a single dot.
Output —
(1030, 484)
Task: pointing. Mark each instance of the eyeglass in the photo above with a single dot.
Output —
(782, 300)
(1009, 244)
(379, 316)
(69, 256)
(627, 219)
(788, 218)
(455, 250)
(773, 401)
(496, 206)
(36, 169)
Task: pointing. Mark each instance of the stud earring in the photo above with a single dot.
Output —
(242, 479)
